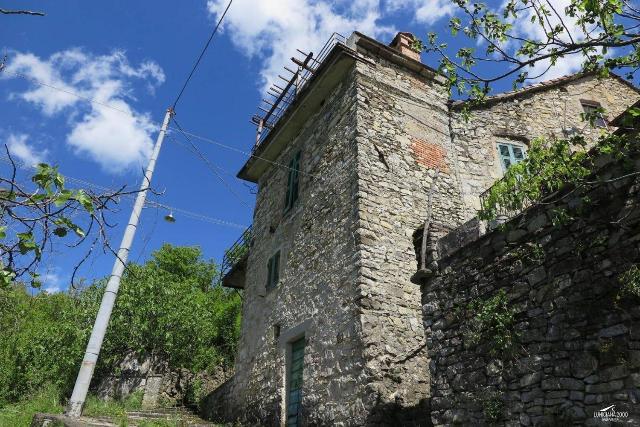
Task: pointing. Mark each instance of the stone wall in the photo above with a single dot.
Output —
(159, 385)
(402, 137)
(316, 293)
(569, 341)
(521, 118)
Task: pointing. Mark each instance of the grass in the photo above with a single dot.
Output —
(112, 408)
(48, 401)
(20, 414)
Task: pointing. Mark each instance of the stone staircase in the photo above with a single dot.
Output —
(169, 417)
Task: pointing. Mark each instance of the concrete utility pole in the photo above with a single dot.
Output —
(109, 298)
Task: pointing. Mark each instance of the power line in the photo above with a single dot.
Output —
(68, 92)
(211, 166)
(246, 153)
(129, 197)
(158, 124)
(204, 50)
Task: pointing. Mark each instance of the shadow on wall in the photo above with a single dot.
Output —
(394, 414)
(218, 406)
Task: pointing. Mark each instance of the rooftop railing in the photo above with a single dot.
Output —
(280, 97)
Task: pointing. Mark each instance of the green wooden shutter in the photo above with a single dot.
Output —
(273, 270)
(293, 182)
(289, 200)
(269, 273)
(276, 268)
(294, 397)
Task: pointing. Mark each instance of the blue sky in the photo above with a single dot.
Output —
(135, 56)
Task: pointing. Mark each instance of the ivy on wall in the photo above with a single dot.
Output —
(492, 322)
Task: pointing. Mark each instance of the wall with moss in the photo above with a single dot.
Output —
(538, 322)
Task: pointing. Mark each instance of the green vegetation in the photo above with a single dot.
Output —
(20, 414)
(550, 166)
(493, 34)
(168, 307)
(630, 283)
(31, 217)
(492, 322)
(47, 400)
(492, 407)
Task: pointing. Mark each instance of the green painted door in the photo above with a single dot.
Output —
(294, 399)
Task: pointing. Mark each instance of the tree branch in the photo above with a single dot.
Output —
(20, 12)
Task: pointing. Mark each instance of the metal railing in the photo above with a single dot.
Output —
(279, 99)
(505, 213)
(236, 252)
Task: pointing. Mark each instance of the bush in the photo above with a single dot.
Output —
(169, 307)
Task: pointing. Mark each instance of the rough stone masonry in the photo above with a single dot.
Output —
(373, 129)
(569, 344)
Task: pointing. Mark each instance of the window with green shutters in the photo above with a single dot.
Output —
(510, 154)
(593, 108)
(294, 396)
(293, 182)
(273, 271)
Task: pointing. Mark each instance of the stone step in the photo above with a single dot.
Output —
(182, 416)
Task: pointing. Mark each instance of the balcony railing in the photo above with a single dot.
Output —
(505, 213)
(236, 253)
(280, 96)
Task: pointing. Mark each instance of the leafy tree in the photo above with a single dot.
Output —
(603, 34)
(33, 216)
(170, 307)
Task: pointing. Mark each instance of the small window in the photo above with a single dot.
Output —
(293, 182)
(510, 154)
(273, 271)
(591, 108)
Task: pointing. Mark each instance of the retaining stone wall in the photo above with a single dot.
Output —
(577, 345)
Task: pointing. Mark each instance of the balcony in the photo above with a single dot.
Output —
(234, 263)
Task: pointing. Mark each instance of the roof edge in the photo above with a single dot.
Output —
(535, 88)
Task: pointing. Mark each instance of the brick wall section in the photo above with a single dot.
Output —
(432, 156)
(578, 345)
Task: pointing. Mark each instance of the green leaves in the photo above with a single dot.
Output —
(60, 231)
(167, 307)
(548, 167)
(27, 244)
(48, 178)
(600, 32)
(66, 223)
(86, 202)
(492, 321)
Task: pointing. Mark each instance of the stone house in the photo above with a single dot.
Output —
(332, 329)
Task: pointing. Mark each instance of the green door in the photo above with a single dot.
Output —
(294, 399)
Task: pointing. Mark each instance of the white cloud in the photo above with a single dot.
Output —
(114, 139)
(51, 282)
(121, 138)
(18, 147)
(272, 30)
